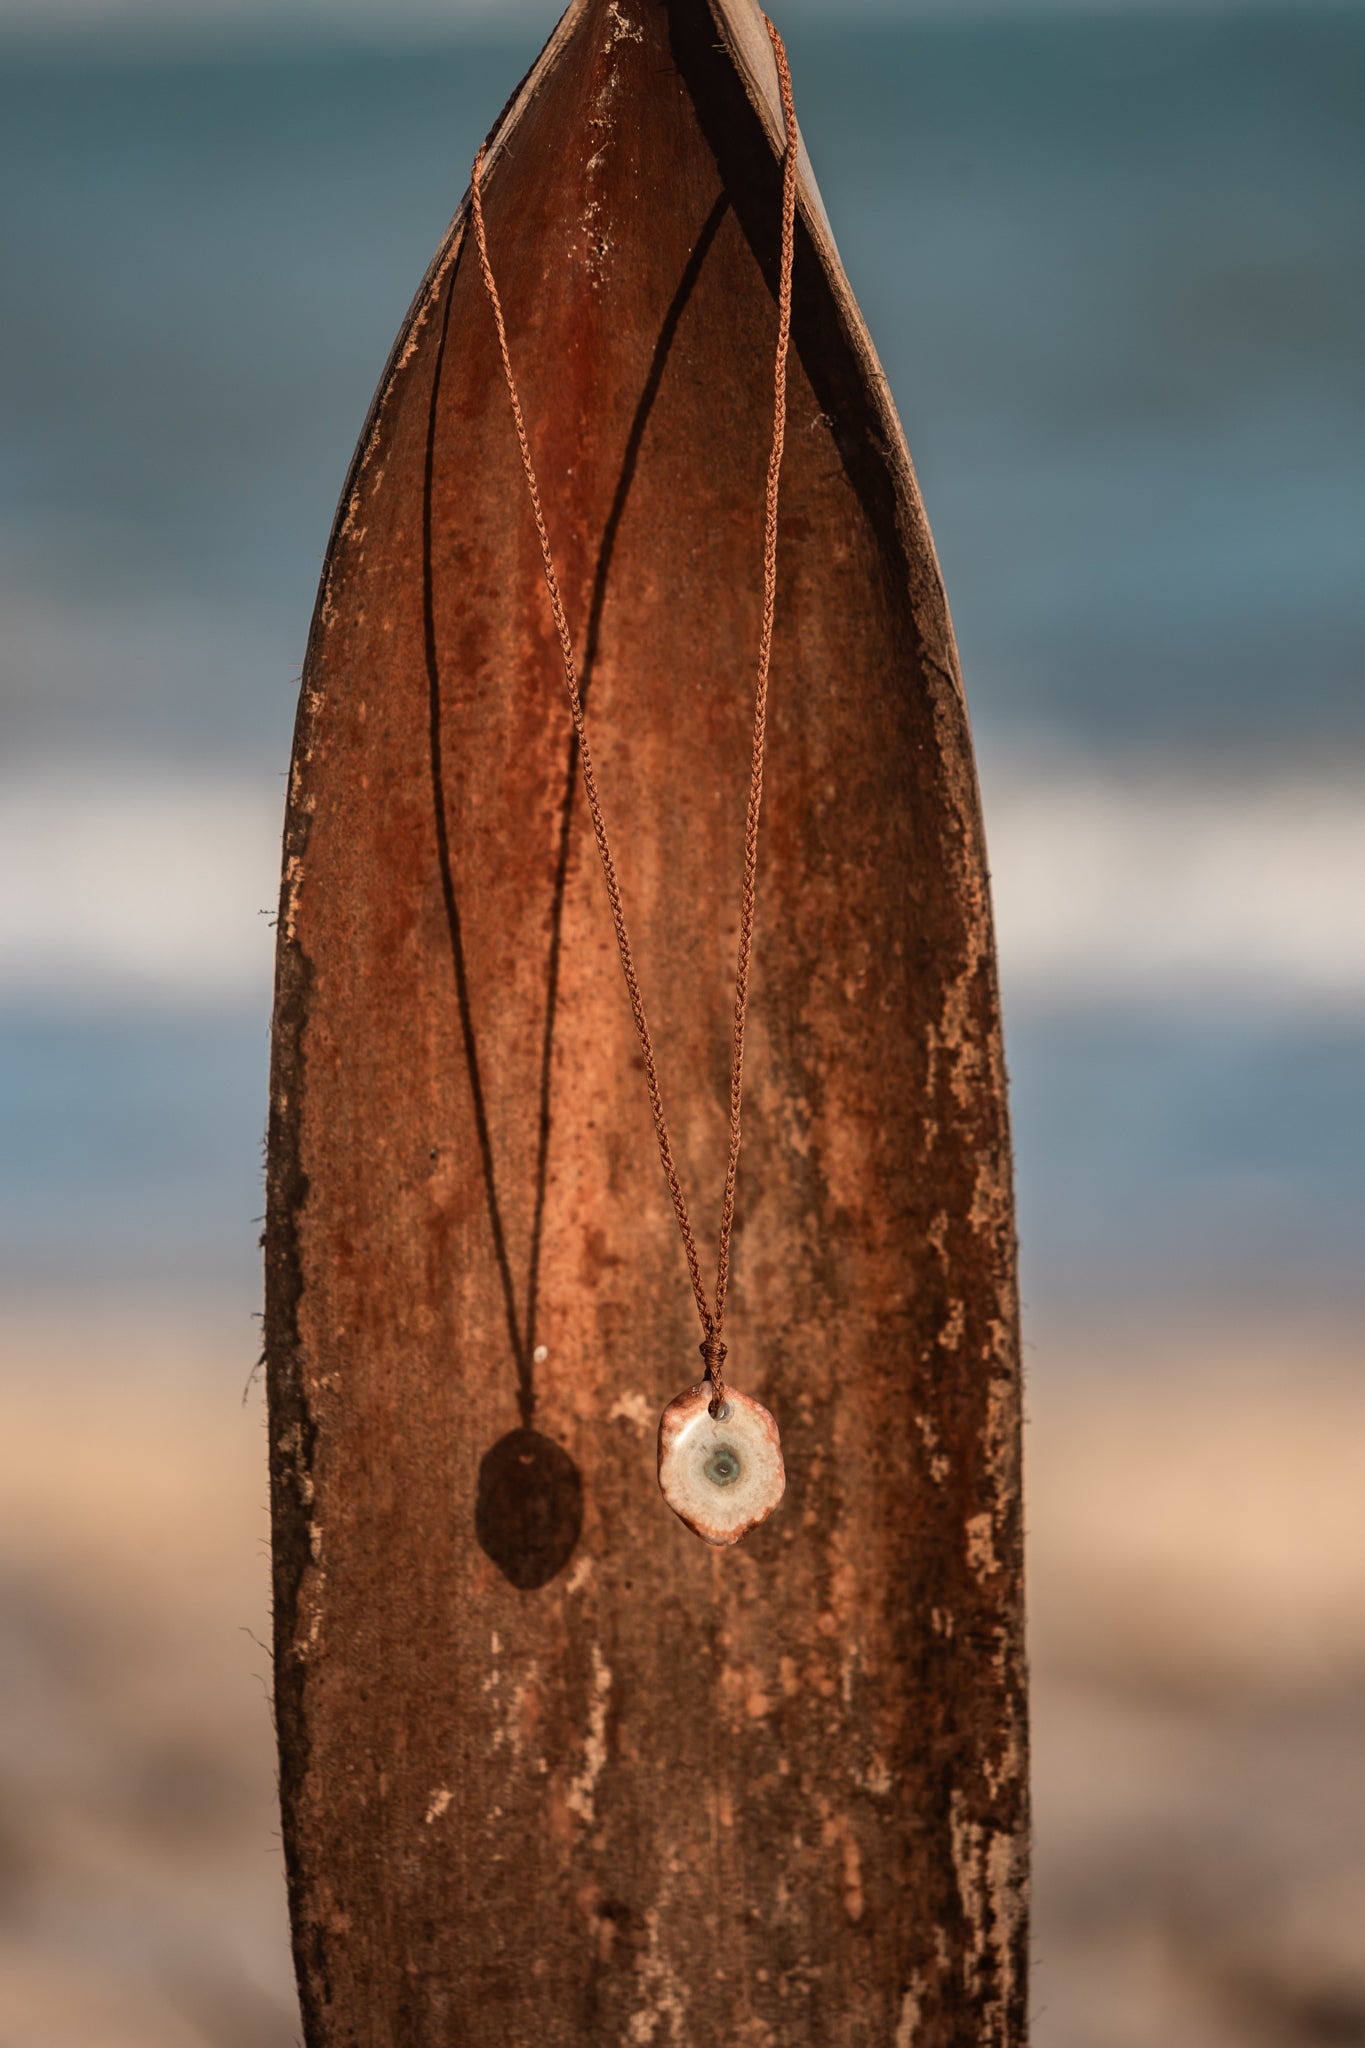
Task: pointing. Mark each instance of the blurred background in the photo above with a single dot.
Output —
(1111, 255)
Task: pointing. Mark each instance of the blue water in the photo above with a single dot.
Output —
(1113, 268)
(1157, 1157)
(133, 1154)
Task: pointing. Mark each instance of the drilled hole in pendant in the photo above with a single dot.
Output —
(722, 1465)
(720, 1411)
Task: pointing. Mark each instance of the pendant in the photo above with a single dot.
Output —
(721, 1474)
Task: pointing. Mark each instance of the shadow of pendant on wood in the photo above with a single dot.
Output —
(552, 1770)
(529, 1508)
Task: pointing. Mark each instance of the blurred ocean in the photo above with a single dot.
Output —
(1112, 260)
(1112, 264)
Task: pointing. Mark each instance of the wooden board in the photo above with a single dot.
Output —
(552, 1770)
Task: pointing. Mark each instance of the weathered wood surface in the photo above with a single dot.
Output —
(553, 1771)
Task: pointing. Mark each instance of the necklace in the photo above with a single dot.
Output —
(719, 1453)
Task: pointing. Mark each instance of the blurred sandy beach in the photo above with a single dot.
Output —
(1197, 1589)
(141, 1885)
(1197, 1530)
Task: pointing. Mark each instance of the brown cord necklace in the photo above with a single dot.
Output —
(719, 1457)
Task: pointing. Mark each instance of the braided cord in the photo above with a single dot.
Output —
(712, 1317)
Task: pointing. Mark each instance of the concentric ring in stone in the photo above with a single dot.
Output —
(722, 1475)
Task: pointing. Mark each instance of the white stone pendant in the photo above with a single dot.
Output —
(720, 1474)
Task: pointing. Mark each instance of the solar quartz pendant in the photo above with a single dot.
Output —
(722, 1474)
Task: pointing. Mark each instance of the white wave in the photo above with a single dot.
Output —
(144, 889)
(1179, 888)
(1148, 888)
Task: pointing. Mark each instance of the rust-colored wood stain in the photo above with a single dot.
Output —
(553, 1771)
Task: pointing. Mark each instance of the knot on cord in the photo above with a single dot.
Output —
(713, 1357)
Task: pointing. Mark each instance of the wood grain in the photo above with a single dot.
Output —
(552, 1770)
